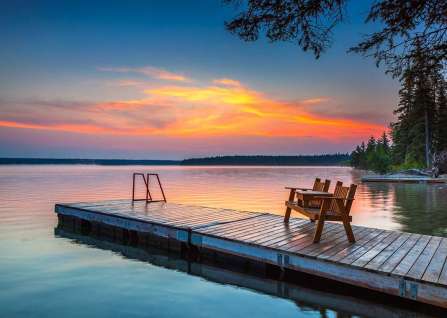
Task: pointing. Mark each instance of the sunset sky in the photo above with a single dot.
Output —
(164, 79)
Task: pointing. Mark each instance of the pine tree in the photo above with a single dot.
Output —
(421, 117)
(399, 129)
(362, 163)
(380, 160)
(374, 156)
(371, 145)
(413, 133)
(441, 131)
(370, 151)
(355, 157)
(385, 142)
(358, 159)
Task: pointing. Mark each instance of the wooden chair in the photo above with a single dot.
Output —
(318, 186)
(333, 208)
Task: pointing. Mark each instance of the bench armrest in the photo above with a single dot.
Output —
(331, 198)
(301, 189)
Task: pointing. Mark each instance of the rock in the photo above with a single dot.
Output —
(440, 163)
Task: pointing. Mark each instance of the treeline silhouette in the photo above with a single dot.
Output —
(313, 160)
(102, 162)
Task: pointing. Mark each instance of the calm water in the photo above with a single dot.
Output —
(48, 274)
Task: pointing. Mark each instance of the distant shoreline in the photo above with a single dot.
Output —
(304, 160)
(98, 162)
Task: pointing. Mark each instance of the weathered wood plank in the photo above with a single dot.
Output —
(407, 262)
(443, 276)
(285, 235)
(364, 248)
(300, 237)
(376, 249)
(257, 224)
(351, 248)
(240, 226)
(381, 258)
(227, 227)
(328, 242)
(293, 236)
(434, 269)
(307, 240)
(174, 216)
(272, 233)
(390, 264)
(265, 233)
(346, 247)
(419, 267)
(222, 228)
(331, 244)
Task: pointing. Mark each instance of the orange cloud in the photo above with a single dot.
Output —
(209, 94)
(226, 81)
(224, 108)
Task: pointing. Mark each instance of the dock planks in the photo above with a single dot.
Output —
(403, 264)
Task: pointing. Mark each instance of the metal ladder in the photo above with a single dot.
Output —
(146, 178)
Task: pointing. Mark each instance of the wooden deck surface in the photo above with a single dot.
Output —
(404, 264)
(174, 215)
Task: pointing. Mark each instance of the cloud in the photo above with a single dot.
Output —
(207, 94)
(125, 83)
(313, 101)
(226, 82)
(333, 109)
(221, 108)
(82, 117)
(69, 127)
(149, 71)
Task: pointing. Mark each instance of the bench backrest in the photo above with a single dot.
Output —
(321, 186)
(346, 193)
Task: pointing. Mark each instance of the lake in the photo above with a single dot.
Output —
(48, 273)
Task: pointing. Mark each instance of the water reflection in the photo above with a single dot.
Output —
(54, 276)
(309, 297)
(417, 208)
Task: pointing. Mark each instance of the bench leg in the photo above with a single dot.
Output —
(287, 215)
(348, 230)
(289, 210)
(319, 228)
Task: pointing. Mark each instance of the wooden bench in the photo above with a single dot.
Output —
(318, 186)
(335, 207)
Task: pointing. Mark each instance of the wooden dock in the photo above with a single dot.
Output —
(304, 293)
(403, 179)
(411, 266)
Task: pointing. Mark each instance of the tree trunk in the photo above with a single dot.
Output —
(427, 142)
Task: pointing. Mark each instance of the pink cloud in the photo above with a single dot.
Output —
(149, 71)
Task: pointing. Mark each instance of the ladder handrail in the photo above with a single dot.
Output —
(146, 178)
